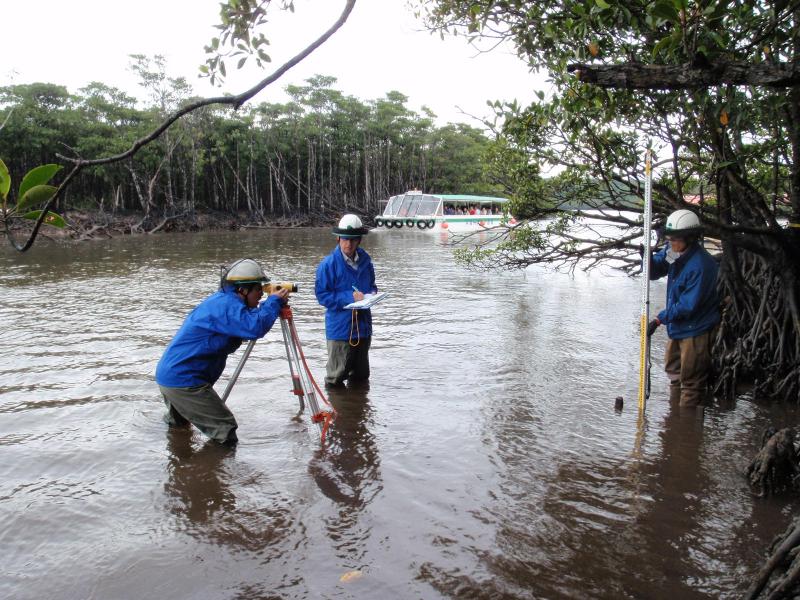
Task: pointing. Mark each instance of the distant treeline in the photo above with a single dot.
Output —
(322, 151)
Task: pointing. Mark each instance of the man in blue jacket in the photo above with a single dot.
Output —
(692, 311)
(344, 276)
(195, 358)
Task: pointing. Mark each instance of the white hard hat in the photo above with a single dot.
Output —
(350, 226)
(683, 222)
(244, 271)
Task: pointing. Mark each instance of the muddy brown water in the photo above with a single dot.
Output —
(485, 460)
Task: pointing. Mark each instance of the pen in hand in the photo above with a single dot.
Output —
(357, 295)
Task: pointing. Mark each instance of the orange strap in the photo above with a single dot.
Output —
(326, 417)
(354, 321)
(296, 339)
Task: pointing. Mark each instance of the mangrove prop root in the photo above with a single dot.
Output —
(775, 466)
(786, 577)
(758, 341)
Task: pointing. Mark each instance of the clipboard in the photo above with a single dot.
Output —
(368, 301)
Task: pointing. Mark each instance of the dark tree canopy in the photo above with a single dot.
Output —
(322, 151)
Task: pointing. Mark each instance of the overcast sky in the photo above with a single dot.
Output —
(381, 48)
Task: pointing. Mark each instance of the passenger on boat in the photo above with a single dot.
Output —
(692, 311)
(196, 356)
(344, 276)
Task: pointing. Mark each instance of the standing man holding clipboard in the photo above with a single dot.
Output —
(343, 277)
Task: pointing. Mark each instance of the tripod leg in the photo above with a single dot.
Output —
(238, 370)
(297, 386)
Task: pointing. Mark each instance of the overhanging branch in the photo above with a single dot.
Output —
(638, 76)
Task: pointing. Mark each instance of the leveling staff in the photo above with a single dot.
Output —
(344, 276)
(195, 358)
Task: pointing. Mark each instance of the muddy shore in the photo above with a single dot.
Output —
(87, 225)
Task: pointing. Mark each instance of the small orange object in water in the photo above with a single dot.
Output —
(351, 576)
(444, 225)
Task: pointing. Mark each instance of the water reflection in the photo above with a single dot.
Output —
(637, 526)
(217, 499)
(675, 523)
(347, 470)
(197, 482)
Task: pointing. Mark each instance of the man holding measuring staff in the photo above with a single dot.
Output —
(196, 356)
(343, 277)
(692, 311)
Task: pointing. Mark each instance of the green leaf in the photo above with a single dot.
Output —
(602, 4)
(661, 44)
(665, 11)
(5, 180)
(718, 39)
(37, 176)
(38, 194)
(52, 218)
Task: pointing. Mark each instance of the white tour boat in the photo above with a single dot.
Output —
(443, 212)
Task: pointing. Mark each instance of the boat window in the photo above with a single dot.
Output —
(392, 205)
(408, 199)
(412, 209)
(427, 206)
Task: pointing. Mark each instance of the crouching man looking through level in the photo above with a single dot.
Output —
(195, 358)
(692, 311)
(344, 276)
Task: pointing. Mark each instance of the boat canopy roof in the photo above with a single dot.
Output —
(465, 198)
(417, 204)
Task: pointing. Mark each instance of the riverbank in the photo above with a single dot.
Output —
(88, 225)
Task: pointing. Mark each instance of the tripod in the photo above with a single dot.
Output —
(303, 383)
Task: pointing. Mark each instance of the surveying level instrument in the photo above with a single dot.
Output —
(276, 286)
(304, 386)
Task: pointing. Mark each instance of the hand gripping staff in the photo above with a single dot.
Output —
(303, 383)
(644, 341)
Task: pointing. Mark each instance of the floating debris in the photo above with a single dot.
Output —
(351, 576)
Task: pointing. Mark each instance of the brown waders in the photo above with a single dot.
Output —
(687, 363)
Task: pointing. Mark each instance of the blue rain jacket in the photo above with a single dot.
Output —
(334, 289)
(692, 298)
(212, 331)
